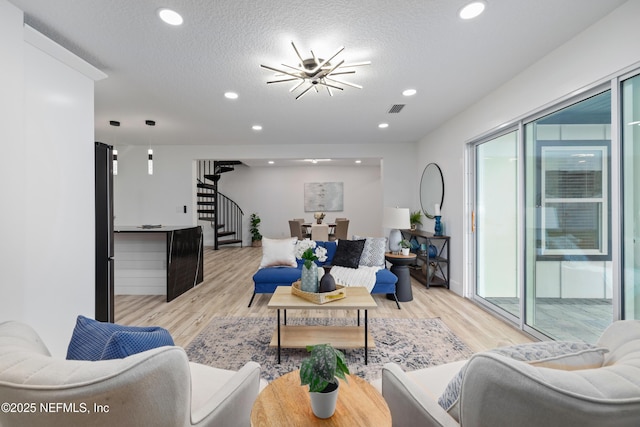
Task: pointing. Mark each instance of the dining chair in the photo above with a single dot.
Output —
(305, 229)
(295, 227)
(320, 232)
(341, 230)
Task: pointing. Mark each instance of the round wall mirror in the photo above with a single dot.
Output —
(431, 189)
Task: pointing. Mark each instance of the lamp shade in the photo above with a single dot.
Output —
(396, 218)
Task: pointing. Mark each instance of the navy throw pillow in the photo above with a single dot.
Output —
(90, 338)
(348, 253)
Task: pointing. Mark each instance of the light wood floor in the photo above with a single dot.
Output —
(227, 289)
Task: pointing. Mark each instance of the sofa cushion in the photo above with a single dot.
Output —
(563, 355)
(279, 275)
(348, 253)
(278, 252)
(91, 337)
(373, 251)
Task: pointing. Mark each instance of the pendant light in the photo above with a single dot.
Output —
(150, 151)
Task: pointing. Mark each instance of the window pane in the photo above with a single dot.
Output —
(631, 203)
(568, 266)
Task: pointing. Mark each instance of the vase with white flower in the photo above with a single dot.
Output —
(310, 252)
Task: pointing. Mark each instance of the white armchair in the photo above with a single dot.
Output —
(159, 387)
(499, 391)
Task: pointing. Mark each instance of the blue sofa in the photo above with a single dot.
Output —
(267, 279)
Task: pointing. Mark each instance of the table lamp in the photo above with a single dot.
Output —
(396, 219)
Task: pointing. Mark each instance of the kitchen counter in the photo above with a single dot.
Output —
(164, 260)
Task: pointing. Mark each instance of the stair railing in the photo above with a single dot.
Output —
(224, 214)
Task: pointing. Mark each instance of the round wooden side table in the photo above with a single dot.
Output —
(284, 402)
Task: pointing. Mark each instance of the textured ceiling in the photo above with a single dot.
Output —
(177, 75)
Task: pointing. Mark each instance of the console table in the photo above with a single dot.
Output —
(438, 263)
(157, 260)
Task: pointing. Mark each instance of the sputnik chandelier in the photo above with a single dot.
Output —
(315, 72)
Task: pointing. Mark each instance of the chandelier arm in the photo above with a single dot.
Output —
(280, 71)
(342, 82)
(357, 64)
(297, 86)
(297, 53)
(283, 80)
(294, 68)
(329, 90)
(304, 91)
(326, 61)
(336, 73)
(315, 58)
(335, 67)
(323, 83)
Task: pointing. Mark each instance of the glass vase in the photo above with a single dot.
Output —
(309, 278)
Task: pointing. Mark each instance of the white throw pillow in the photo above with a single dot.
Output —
(278, 252)
(373, 252)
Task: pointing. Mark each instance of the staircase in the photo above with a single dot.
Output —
(223, 213)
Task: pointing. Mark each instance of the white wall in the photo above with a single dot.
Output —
(12, 163)
(606, 47)
(158, 199)
(276, 194)
(47, 274)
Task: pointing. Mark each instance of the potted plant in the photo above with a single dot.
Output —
(254, 229)
(405, 245)
(321, 371)
(415, 218)
(308, 251)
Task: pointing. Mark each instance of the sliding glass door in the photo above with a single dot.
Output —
(630, 126)
(568, 249)
(496, 227)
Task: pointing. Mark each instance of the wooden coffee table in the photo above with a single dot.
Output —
(358, 298)
(284, 402)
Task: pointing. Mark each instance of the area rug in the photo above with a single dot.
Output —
(229, 342)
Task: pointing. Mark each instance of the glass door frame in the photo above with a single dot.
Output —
(472, 203)
(610, 83)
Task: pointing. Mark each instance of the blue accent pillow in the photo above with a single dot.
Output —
(125, 343)
(90, 339)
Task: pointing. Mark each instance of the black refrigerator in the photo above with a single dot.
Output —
(104, 310)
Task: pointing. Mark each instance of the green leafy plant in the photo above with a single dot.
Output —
(415, 218)
(254, 229)
(405, 244)
(322, 367)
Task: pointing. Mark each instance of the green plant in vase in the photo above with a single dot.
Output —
(254, 229)
(320, 371)
(308, 251)
(415, 218)
(405, 246)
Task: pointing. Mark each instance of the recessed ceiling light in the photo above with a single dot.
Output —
(231, 95)
(358, 161)
(256, 127)
(409, 92)
(383, 125)
(271, 162)
(472, 10)
(169, 16)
